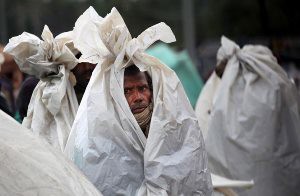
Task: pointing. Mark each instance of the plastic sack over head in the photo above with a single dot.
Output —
(42, 58)
(253, 129)
(53, 103)
(106, 141)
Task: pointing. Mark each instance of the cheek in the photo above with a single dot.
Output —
(129, 99)
(148, 96)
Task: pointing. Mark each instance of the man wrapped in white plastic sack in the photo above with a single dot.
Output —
(53, 105)
(30, 166)
(253, 132)
(203, 110)
(107, 142)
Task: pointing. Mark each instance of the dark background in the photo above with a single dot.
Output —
(197, 24)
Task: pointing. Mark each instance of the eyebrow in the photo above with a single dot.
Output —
(144, 85)
(128, 88)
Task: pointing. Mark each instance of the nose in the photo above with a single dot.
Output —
(137, 96)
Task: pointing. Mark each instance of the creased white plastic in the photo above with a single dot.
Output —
(107, 143)
(253, 132)
(87, 31)
(31, 167)
(205, 102)
(53, 105)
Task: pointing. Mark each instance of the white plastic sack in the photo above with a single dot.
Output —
(53, 104)
(106, 141)
(254, 130)
(30, 166)
(205, 102)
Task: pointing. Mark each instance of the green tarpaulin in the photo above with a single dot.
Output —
(185, 69)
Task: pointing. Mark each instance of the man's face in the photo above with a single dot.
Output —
(83, 73)
(137, 92)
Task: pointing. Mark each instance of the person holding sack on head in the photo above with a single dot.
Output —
(254, 123)
(135, 132)
(53, 104)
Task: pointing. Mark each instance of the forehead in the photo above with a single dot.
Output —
(85, 64)
(139, 78)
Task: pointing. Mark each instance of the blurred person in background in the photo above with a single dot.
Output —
(83, 72)
(24, 97)
(3, 103)
(10, 80)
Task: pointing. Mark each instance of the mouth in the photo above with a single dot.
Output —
(138, 110)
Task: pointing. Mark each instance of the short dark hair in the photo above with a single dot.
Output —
(133, 70)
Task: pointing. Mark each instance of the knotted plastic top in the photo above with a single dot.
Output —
(41, 58)
(109, 38)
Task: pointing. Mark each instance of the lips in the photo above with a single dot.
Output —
(138, 110)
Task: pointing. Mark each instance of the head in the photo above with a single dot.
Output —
(83, 72)
(137, 89)
(25, 94)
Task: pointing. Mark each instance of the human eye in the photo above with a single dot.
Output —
(126, 91)
(143, 88)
